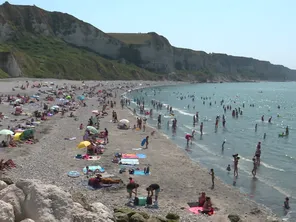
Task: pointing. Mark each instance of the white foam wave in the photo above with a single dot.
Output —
(263, 164)
(183, 112)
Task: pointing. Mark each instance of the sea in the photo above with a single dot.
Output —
(276, 176)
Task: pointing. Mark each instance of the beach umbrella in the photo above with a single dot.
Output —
(92, 129)
(95, 111)
(83, 144)
(17, 136)
(125, 121)
(6, 132)
(81, 97)
(54, 107)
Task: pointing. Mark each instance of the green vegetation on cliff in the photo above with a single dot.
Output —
(46, 57)
(3, 74)
(39, 43)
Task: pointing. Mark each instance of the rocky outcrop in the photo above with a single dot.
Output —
(28, 200)
(150, 51)
(9, 64)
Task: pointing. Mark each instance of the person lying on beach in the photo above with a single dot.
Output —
(202, 199)
(132, 188)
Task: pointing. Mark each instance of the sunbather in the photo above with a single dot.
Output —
(202, 199)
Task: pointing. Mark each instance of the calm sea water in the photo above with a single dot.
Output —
(276, 177)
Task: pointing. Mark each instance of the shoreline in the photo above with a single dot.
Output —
(179, 187)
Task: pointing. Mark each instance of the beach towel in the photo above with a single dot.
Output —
(71, 138)
(141, 156)
(129, 161)
(141, 173)
(193, 204)
(137, 148)
(73, 174)
(129, 156)
(92, 157)
(143, 142)
(197, 210)
(93, 168)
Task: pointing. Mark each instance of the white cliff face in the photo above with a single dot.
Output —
(6, 32)
(90, 37)
(29, 201)
(9, 64)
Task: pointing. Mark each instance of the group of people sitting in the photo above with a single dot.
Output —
(206, 204)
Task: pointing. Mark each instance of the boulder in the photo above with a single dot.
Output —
(2, 185)
(172, 216)
(7, 180)
(28, 220)
(137, 218)
(48, 203)
(14, 196)
(234, 218)
(6, 212)
(121, 217)
(102, 210)
(156, 219)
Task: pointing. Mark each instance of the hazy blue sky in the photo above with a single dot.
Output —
(263, 29)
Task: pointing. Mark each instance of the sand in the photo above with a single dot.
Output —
(181, 180)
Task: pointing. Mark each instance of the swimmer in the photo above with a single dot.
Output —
(223, 145)
(286, 204)
(228, 168)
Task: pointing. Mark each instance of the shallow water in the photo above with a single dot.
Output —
(276, 177)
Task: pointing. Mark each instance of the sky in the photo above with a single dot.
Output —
(261, 29)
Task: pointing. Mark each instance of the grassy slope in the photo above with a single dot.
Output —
(132, 38)
(53, 58)
(3, 74)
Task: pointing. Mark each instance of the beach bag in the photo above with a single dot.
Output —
(149, 200)
(136, 201)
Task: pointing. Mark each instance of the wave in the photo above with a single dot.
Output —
(263, 164)
(183, 112)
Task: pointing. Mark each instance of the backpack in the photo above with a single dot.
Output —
(136, 201)
(149, 200)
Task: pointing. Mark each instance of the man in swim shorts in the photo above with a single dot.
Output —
(132, 188)
(151, 188)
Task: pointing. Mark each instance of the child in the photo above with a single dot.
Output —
(228, 168)
(81, 126)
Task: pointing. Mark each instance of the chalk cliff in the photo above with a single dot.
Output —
(26, 31)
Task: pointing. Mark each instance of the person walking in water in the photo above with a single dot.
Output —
(201, 128)
(258, 153)
(256, 127)
(254, 171)
(223, 145)
(235, 168)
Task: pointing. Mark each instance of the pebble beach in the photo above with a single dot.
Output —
(52, 156)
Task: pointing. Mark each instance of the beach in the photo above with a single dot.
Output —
(181, 180)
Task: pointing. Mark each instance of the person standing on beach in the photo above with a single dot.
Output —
(147, 141)
(156, 189)
(106, 139)
(132, 188)
(235, 169)
(213, 177)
